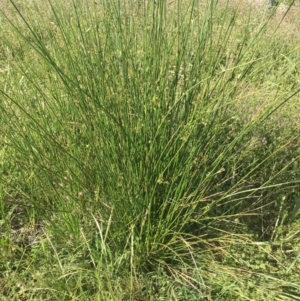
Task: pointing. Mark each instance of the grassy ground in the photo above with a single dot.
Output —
(149, 151)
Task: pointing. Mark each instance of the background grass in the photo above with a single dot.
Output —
(149, 151)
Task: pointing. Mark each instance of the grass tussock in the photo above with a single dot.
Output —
(149, 151)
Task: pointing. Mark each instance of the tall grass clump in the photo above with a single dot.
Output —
(123, 124)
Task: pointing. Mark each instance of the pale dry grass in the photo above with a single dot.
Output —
(287, 17)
